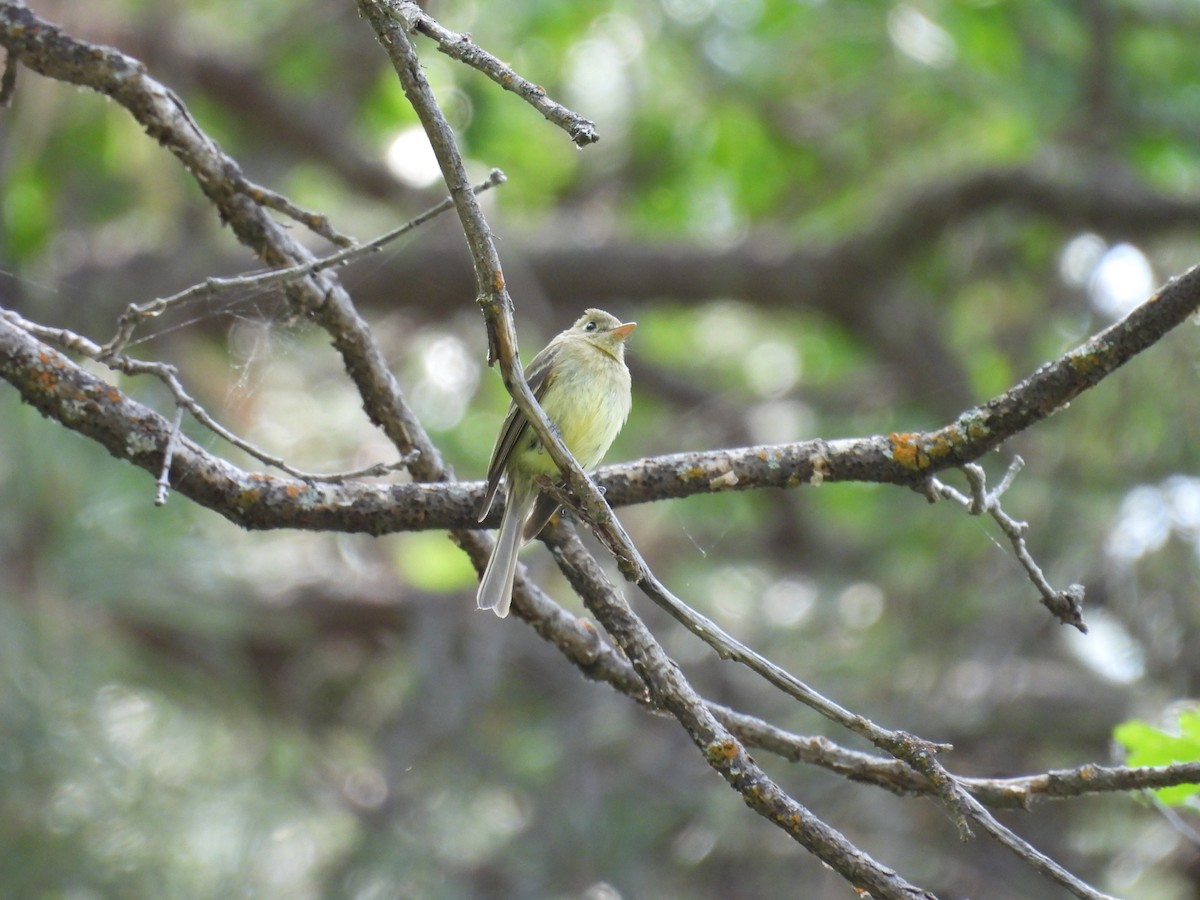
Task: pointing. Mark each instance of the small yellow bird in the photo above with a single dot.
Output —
(581, 381)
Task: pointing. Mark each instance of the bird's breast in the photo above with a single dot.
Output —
(588, 406)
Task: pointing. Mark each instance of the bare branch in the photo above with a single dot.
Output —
(318, 223)
(65, 391)
(136, 313)
(462, 48)
(917, 752)
(900, 778)
(492, 292)
(49, 50)
(1031, 855)
(673, 691)
(79, 400)
(722, 751)
(909, 458)
(496, 306)
(906, 459)
(1089, 779)
(169, 376)
(1067, 604)
(164, 478)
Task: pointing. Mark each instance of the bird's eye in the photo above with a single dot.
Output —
(590, 326)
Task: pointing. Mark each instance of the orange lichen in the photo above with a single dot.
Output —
(907, 451)
(722, 751)
(44, 375)
(771, 456)
(918, 451)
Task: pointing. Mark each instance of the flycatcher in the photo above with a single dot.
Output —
(581, 381)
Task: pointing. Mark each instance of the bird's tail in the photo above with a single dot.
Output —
(495, 588)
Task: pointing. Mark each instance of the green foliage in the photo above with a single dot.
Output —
(1146, 745)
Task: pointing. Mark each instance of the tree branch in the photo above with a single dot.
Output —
(461, 47)
(136, 313)
(49, 50)
(721, 750)
(497, 308)
(894, 775)
(902, 459)
(1067, 604)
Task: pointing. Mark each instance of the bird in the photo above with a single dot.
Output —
(582, 383)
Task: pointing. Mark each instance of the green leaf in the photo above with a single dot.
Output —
(1146, 745)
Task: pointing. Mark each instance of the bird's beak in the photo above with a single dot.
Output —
(624, 331)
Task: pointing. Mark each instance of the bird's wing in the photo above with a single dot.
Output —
(514, 426)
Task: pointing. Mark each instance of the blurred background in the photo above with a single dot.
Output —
(830, 220)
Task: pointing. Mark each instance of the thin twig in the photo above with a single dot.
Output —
(1030, 854)
(1067, 604)
(318, 223)
(918, 752)
(722, 751)
(164, 478)
(1020, 792)
(462, 48)
(169, 375)
(136, 313)
(51, 51)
